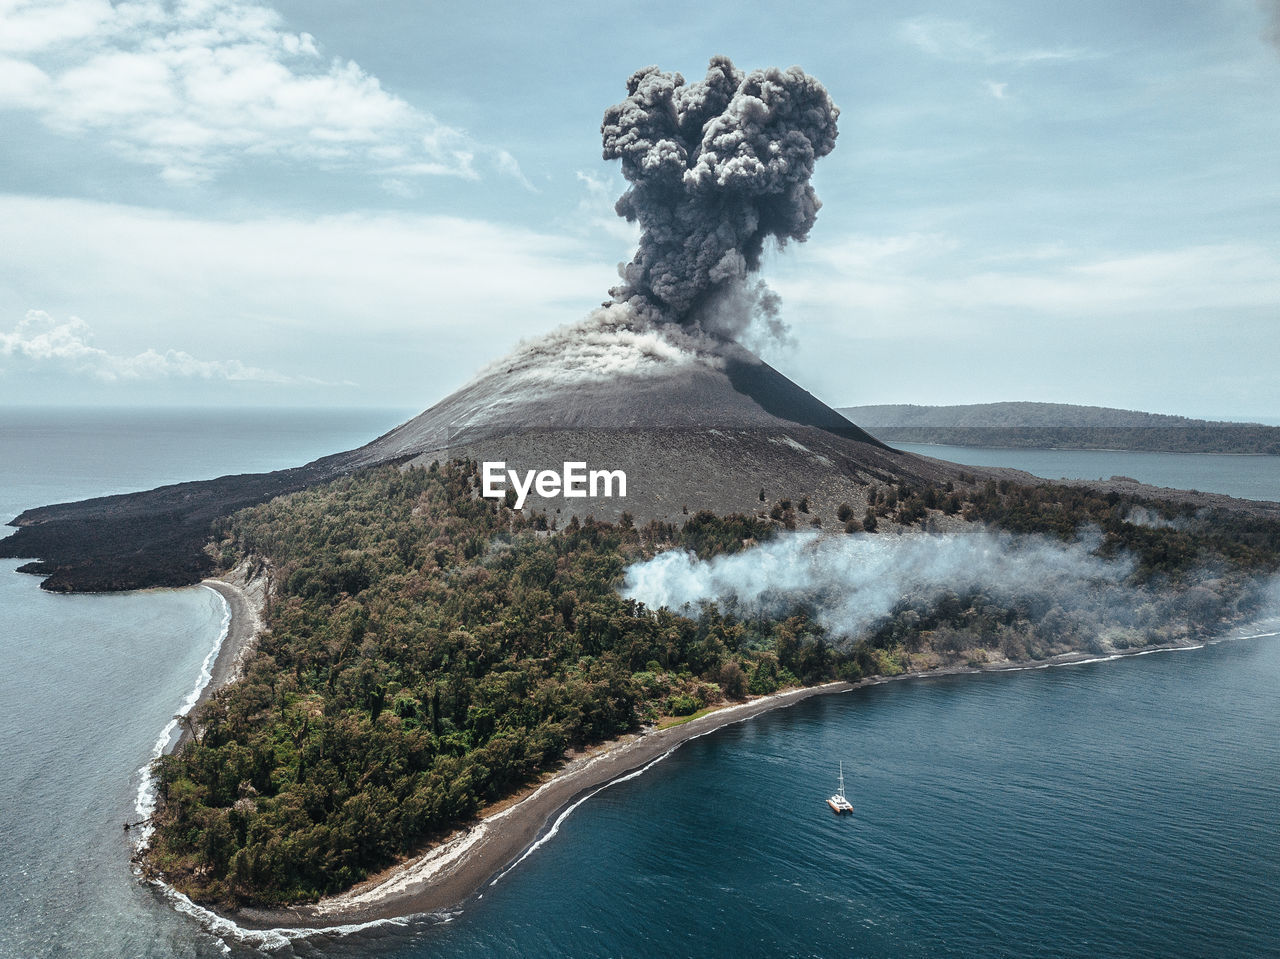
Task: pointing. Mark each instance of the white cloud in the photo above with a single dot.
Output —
(928, 283)
(21, 82)
(933, 319)
(406, 305)
(40, 339)
(960, 42)
(998, 90)
(193, 86)
(30, 26)
(1207, 277)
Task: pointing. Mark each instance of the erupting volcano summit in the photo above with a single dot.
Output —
(655, 383)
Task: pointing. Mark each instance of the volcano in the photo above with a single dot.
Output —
(695, 423)
(653, 384)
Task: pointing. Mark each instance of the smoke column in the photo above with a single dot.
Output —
(715, 168)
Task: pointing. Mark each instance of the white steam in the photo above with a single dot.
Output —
(611, 342)
(852, 582)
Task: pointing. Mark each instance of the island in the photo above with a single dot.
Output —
(1061, 426)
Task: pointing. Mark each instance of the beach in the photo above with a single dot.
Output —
(473, 858)
(246, 622)
(245, 596)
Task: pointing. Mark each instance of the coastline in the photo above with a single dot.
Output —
(473, 858)
(245, 596)
(469, 861)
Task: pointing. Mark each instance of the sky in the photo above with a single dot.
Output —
(338, 203)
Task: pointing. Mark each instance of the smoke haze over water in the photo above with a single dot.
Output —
(716, 167)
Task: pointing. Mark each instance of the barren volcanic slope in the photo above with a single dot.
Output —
(706, 426)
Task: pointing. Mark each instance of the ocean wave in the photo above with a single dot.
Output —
(145, 803)
(277, 938)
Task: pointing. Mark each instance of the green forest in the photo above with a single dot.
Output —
(430, 652)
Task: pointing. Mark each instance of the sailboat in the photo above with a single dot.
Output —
(839, 805)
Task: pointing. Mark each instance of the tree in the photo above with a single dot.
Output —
(732, 680)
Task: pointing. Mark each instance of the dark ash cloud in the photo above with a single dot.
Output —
(716, 167)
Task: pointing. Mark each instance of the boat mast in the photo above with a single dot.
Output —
(841, 793)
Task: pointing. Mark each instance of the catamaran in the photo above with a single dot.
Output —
(839, 805)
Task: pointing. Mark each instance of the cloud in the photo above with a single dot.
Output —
(596, 209)
(959, 42)
(895, 282)
(998, 90)
(407, 305)
(40, 339)
(1201, 277)
(944, 317)
(194, 86)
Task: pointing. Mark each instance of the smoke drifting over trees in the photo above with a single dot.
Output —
(855, 585)
(852, 582)
(716, 167)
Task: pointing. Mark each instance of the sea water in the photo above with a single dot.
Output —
(1123, 808)
(89, 683)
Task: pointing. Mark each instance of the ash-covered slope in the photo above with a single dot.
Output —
(605, 374)
(695, 423)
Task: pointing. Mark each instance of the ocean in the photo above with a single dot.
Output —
(1121, 808)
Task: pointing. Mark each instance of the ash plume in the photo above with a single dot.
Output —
(716, 167)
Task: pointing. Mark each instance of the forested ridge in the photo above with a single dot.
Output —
(430, 652)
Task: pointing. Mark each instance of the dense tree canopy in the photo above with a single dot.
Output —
(430, 651)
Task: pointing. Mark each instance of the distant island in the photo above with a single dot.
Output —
(1060, 426)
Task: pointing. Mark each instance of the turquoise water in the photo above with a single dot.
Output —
(87, 683)
(86, 686)
(1123, 808)
(1249, 477)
